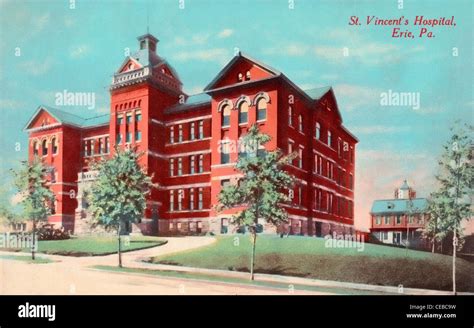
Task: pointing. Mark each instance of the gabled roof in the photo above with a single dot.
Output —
(393, 206)
(67, 118)
(237, 57)
(317, 93)
(192, 101)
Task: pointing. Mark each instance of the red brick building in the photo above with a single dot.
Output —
(187, 144)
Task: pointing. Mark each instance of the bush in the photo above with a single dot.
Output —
(48, 232)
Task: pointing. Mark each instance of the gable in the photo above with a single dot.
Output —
(129, 64)
(328, 106)
(42, 118)
(241, 69)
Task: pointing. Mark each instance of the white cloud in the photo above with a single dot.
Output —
(196, 39)
(79, 51)
(369, 53)
(34, 67)
(225, 33)
(194, 90)
(352, 96)
(377, 129)
(10, 104)
(215, 54)
(42, 21)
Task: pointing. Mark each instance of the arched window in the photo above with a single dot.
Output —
(329, 139)
(243, 112)
(300, 123)
(318, 131)
(44, 147)
(226, 115)
(55, 146)
(261, 109)
(35, 148)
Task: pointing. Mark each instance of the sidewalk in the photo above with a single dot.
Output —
(289, 279)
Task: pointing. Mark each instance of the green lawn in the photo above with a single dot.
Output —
(214, 278)
(96, 245)
(308, 257)
(26, 258)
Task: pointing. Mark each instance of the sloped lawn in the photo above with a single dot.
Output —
(95, 245)
(308, 257)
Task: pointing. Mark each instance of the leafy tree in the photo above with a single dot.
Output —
(261, 189)
(37, 198)
(118, 196)
(452, 204)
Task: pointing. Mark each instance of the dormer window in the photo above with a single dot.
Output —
(240, 77)
(247, 75)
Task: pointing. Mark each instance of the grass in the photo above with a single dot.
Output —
(308, 257)
(230, 280)
(95, 245)
(26, 258)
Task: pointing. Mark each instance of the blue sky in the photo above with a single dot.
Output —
(79, 50)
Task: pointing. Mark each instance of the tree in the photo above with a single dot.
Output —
(261, 189)
(118, 196)
(434, 229)
(452, 204)
(37, 198)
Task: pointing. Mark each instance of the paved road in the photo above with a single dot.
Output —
(70, 275)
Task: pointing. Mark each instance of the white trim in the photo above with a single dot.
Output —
(96, 137)
(331, 191)
(71, 184)
(157, 122)
(190, 174)
(188, 120)
(201, 152)
(186, 186)
(186, 142)
(297, 217)
(45, 127)
(223, 165)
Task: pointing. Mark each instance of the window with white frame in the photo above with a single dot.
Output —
(192, 163)
(171, 167)
(172, 134)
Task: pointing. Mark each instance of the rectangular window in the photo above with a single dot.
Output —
(171, 167)
(180, 166)
(171, 200)
(128, 137)
(201, 129)
(107, 145)
(119, 120)
(300, 196)
(225, 155)
(351, 181)
(138, 135)
(138, 117)
(119, 138)
(290, 116)
(192, 161)
(191, 131)
(129, 118)
(387, 220)
(300, 157)
(200, 199)
(191, 199)
(201, 163)
(225, 183)
(99, 146)
(172, 134)
(399, 219)
(180, 133)
(180, 199)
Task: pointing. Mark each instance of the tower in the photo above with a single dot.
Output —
(141, 89)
